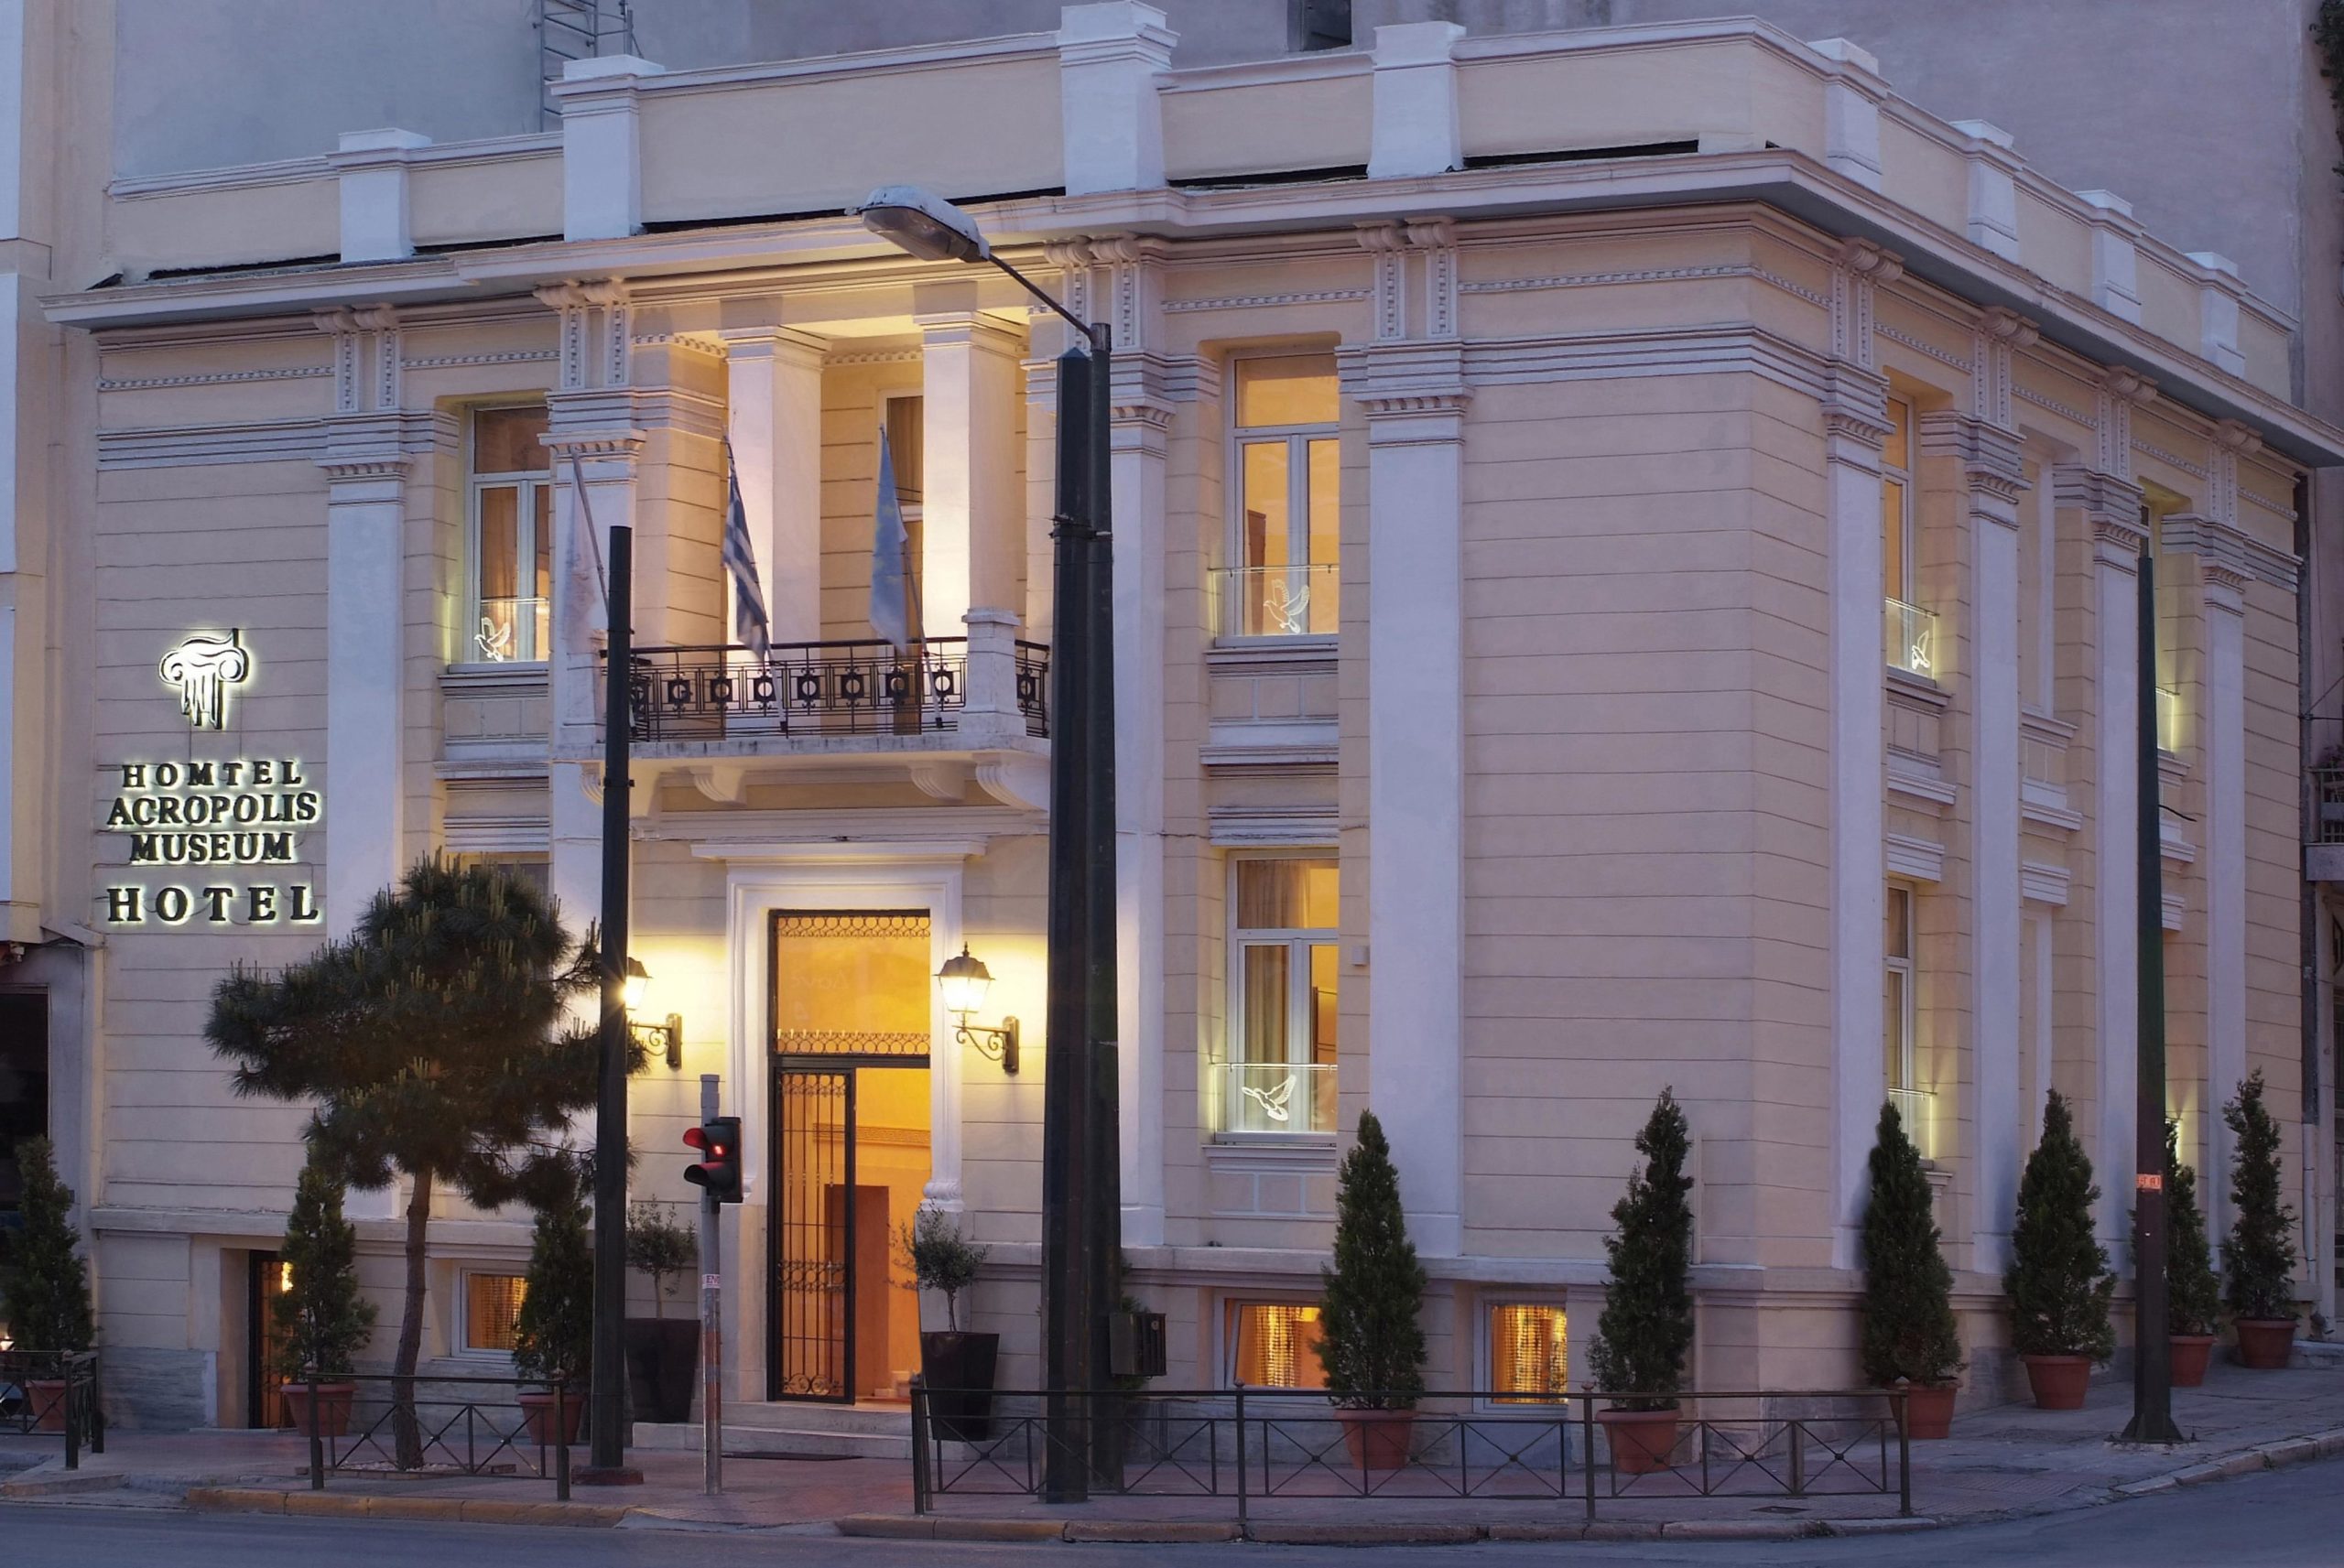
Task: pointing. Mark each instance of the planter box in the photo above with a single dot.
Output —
(662, 1362)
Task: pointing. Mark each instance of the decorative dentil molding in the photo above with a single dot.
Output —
(2117, 391)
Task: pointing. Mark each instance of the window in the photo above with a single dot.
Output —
(492, 1304)
(1912, 631)
(533, 870)
(1280, 1075)
(1274, 1344)
(1897, 1020)
(1282, 579)
(1529, 1352)
(509, 537)
(1322, 25)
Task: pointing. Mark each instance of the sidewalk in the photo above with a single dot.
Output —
(2007, 1460)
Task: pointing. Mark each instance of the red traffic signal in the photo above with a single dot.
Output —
(718, 1142)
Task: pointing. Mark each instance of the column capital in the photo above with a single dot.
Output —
(1411, 382)
(2226, 557)
(1988, 458)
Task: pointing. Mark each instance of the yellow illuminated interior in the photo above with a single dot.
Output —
(1529, 1350)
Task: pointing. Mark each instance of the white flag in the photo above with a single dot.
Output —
(586, 590)
(890, 560)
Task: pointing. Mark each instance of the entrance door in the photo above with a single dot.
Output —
(265, 1404)
(849, 1119)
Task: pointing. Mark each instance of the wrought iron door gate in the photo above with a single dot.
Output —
(813, 1284)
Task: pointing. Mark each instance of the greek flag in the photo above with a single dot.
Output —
(750, 622)
(890, 548)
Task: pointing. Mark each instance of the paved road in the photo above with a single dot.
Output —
(2288, 1518)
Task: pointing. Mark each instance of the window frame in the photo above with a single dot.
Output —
(1486, 1353)
(1297, 941)
(464, 1276)
(1227, 1328)
(1902, 477)
(1297, 440)
(1908, 1015)
(526, 485)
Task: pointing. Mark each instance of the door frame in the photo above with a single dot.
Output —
(863, 872)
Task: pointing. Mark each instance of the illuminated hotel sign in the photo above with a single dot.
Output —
(230, 827)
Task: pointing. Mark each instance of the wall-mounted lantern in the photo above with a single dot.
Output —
(965, 980)
(668, 1037)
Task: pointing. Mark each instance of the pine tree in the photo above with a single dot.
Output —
(2258, 1256)
(48, 1299)
(1647, 1322)
(2193, 1297)
(1908, 1325)
(553, 1333)
(1370, 1341)
(435, 1041)
(322, 1320)
(2058, 1280)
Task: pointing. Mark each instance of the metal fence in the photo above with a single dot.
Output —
(52, 1391)
(864, 687)
(386, 1424)
(1252, 1446)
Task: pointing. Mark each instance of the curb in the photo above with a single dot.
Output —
(42, 1482)
(445, 1510)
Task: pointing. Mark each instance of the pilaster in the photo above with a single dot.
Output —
(1414, 129)
(774, 387)
(1855, 424)
(1110, 56)
(1993, 186)
(602, 150)
(972, 516)
(2115, 255)
(370, 173)
(1851, 111)
(1414, 397)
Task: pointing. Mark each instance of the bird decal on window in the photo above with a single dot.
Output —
(1273, 1101)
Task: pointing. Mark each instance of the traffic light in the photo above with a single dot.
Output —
(718, 1140)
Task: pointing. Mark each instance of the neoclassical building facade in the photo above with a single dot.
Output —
(1627, 546)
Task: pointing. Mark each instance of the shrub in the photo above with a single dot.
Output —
(659, 1247)
(2193, 1296)
(48, 1299)
(1370, 1340)
(2258, 1258)
(1647, 1322)
(940, 1258)
(553, 1334)
(2058, 1280)
(1908, 1328)
(322, 1320)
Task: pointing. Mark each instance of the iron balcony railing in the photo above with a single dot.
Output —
(1912, 645)
(1277, 1096)
(1276, 601)
(864, 687)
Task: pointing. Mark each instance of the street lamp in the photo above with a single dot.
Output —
(1081, 1163)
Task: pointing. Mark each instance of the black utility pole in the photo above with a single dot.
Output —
(1082, 1205)
(2152, 1349)
(606, 1407)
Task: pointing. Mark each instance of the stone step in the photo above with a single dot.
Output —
(782, 1428)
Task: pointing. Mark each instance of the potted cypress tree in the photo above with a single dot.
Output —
(321, 1321)
(2058, 1280)
(2193, 1297)
(1647, 1322)
(1909, 1335)
(661, 1353)
(2258, 1256)
(956, 1367)
(48, 1299)
(553, 1333)
(1370, 1340)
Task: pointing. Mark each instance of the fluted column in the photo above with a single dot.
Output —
(774, 387)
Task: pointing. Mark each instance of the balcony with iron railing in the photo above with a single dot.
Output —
(856, 688)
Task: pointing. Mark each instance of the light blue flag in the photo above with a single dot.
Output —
(750, 622)
(890, 560)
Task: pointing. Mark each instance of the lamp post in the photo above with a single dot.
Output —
(1081, 1170)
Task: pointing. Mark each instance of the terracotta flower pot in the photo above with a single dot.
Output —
(2266, 1344)
(334, 1400)
(542, 1417)
(47, 1396)
(1928, 1409)
(1378, 1440)
(2190, 1353)
(2059, 1381)
(1642, 1441)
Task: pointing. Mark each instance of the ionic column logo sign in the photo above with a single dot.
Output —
(203, 668)
(227, 819)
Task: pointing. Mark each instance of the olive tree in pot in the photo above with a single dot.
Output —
(2058, 1280)
(1909, 1335)
(48, 1299)
(553, 1333)
(1647, 1321)
(2193, 1296)
(321, 1321)
(956, 1367)
(662, 1353)
(2258, 1256)
(1370, 1340)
